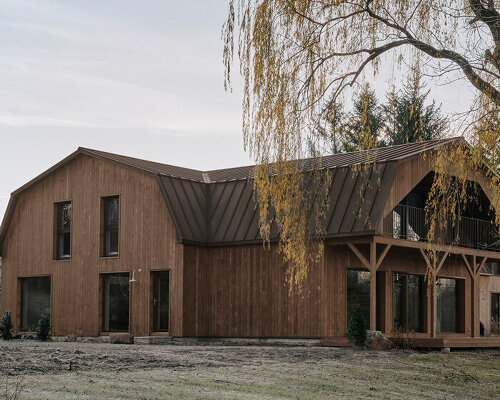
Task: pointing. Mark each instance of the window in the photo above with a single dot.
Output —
(115, 302)
(63, 230)
(495, 313)
(35, 301)
(358, 294)
(111, 219)
(407, 302)
(449, 303)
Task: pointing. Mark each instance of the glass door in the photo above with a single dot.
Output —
(495, 313)
(160, 300)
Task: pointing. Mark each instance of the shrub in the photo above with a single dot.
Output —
(401, 340)
(6, 326)
(356, 332)
(43, 328)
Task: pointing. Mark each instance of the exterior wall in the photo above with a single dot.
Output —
(147, 241)
(488, 284)
(241, 291)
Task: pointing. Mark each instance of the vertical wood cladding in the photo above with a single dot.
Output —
(147, 241)
(241, 291)
(230, 291)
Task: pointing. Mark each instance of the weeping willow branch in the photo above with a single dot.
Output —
(298, 56)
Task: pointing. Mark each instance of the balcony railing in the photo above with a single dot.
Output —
(409, 223)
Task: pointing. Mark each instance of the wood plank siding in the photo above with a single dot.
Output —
(242, 291)
(203, 227)
(147, 241)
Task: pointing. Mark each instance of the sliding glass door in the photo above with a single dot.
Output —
(408, 298)
(447, 305)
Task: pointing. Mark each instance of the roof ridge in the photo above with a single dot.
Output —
(206, 172)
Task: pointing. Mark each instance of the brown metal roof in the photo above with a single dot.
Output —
(227, 213)
(382, 154)
(218, 206)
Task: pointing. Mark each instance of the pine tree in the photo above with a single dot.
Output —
(408, 119)
(356, 332)
(43, 328)
(364, 122)
(6, 326)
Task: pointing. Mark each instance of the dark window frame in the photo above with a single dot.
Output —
(21, 296)
(60, 254)
(494, 330)
(106, 228)
(404, 281)
(153, 326)
(347, 314)
(459, 304)
(103, 292)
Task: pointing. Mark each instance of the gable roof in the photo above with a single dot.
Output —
(218, 207)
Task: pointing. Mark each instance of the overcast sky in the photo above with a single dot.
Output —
(143, 79)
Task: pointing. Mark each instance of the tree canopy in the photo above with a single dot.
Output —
(407, 117)
(298, 56)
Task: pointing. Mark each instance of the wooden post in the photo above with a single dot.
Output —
(475, 296)
(373, 286)
(434, 297)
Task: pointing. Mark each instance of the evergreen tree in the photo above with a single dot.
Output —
(43, 328)
(327, 138)
(356, 332)
(6, 326)
(408, 119)
(364, 122)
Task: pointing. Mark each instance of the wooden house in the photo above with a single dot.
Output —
(107, 243)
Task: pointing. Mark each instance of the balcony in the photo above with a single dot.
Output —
(408, 223)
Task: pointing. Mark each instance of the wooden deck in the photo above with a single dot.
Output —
(436, 342)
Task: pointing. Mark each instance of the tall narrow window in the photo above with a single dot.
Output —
(495, 313)
(358, 294)
(447, 305)
(63, 230)
(111, 214)
(408, 297)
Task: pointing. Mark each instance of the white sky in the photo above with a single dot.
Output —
(143, 79)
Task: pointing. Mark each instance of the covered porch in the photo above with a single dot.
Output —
(400, 299)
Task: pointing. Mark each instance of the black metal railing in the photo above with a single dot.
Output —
(409, 223)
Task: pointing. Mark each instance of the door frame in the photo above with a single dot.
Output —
(152, 330)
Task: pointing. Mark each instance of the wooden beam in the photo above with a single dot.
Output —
(426, 259)
(480, 266)
(442, 262)
(467, 264)
(438, 247)
(382, 256)
(358, 254)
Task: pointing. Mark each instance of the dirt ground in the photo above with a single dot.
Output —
(34, 370)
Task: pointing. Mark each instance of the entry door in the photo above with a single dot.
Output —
(160, 301)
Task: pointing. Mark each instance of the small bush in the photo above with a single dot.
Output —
(356, 332)
(43, 328)
(401, 340)
(6, 326)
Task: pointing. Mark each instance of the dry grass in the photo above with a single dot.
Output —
(209, 372)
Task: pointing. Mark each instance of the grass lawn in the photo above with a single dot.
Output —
(100, 371)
